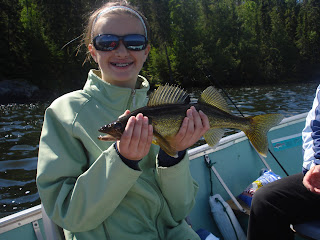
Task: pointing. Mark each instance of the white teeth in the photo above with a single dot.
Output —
(121, 64)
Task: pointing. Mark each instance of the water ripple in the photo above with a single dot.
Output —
(26, 164)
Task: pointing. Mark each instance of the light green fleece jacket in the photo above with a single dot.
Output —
(87, 189)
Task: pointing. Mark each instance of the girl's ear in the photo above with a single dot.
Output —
(146, 51)
(92, 51)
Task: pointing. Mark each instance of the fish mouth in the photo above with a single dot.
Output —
(107, 138)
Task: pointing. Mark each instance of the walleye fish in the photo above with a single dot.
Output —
(167, 108)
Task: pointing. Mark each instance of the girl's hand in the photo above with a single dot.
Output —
(136, 139)
(312, 179)
(195, 125)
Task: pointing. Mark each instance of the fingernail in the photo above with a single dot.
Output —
(145, 120)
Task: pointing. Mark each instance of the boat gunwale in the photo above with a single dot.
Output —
(19, 219)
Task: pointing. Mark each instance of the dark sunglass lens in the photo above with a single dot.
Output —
(135, 42)
(106, 42)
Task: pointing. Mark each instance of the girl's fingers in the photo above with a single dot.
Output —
(201, 123)
(127, 112)
(136, 139)
(205, 122)
(183, 130)
(195, 125)
(149, 140)
(127, 134)
(136, 134)
(190, 115)
(197, 118)
(143, 134)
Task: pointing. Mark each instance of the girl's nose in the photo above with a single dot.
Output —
(121, 50)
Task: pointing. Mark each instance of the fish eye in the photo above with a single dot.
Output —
(117, 125)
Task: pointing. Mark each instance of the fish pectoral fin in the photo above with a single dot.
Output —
(165, 145)
(213, 136)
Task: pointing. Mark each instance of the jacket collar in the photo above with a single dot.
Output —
(117, 98)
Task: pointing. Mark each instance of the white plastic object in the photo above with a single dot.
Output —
(225, 219)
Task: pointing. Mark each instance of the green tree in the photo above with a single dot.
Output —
(13, 41)
(158, 14)
(186, 40)
(220, 31)
(249, 42)
(59, 23)
(308, 31)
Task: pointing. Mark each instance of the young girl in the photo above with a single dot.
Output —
(124, 190)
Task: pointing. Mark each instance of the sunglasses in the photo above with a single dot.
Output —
(109, 42)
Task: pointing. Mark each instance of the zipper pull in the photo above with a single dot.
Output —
(133, 94)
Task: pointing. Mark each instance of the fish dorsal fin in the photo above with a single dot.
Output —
(212, 97)
(168, 95)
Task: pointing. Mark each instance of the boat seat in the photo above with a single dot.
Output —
(52, 230)
(308, 230)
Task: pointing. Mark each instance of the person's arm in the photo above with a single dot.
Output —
(175, 180)
(311, 147)
(311, 135)
(178, 187)
(76, 196)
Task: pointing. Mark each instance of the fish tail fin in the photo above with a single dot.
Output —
(258, 129)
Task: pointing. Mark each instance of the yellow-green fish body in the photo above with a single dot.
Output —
(167, 108)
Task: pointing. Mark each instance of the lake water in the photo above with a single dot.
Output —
(20, 127)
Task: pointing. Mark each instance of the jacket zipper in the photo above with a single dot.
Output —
(133, 98)
(160, 197)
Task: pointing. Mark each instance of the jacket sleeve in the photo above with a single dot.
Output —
(178, 187)
(76, 196)
(311, 135)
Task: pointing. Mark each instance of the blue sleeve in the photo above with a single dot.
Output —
(167, 161)
(164, 159)
(134, 164)
(311, 135)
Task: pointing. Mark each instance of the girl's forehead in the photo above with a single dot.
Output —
(118, 24)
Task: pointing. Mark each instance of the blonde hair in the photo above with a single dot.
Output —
(127, 8)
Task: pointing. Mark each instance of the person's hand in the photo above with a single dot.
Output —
(312, 179)
(194, 125)
(137, 137)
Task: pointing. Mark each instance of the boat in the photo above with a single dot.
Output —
(226, 170)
